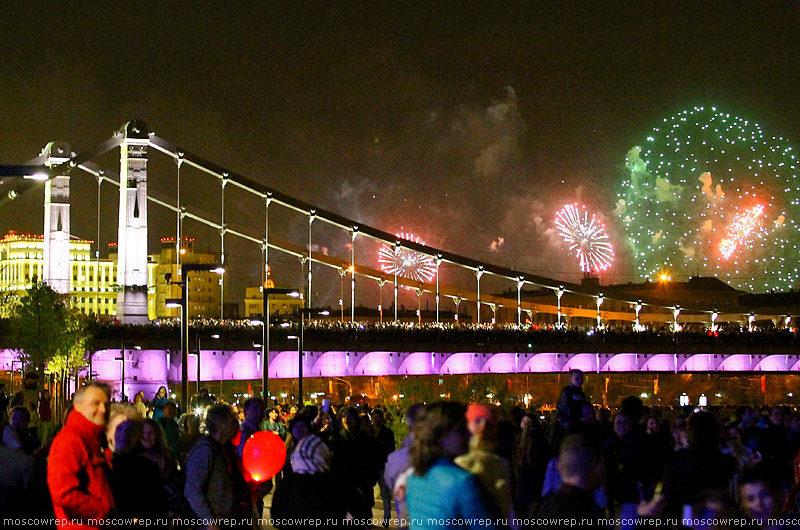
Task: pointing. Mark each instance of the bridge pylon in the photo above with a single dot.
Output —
(55, 270)
(132, 242)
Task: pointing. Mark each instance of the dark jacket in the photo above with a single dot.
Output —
(385, 444)
(308, 497)
(172, 435)
(692, 471)
(138, 488)
(568, 407)
(356, 470)
(215, 485)
(567, 503)
(23, 487)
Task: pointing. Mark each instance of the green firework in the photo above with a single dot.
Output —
(711, 194)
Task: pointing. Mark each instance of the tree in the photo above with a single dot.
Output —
(47, 332)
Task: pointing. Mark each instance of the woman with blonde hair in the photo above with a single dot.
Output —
(118, 413)
(138, 402)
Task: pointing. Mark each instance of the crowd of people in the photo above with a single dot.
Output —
(587, 333)
(460, 466)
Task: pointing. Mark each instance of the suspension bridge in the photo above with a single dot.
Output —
(465, 288)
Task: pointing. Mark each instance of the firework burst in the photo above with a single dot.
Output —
(713, 194)
(586, 236)
(744, 224)
(407, 263)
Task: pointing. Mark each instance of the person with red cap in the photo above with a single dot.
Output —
(438, 492)
(494, 472)
(76, 468)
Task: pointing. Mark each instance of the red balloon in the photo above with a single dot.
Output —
(264, 455)
(237, 438)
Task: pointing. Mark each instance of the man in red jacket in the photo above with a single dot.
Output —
(76, 469)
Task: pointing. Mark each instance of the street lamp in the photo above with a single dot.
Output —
(26, 171)
(186, 268)
(300, 365)
(30, 175)
(303, 311)
(265, 292)
(197, 336)
(122, 374)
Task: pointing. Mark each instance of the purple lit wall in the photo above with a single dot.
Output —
(284, 365)
(736, 363)
(698, 363)
(146, 370)
(544, 362)
(242, 365)
(417, 363)
(460, 363)
(377, 363)
(622, 362)
(7, 357)
(775, 363)
(500, 363)
(582, 361)
(330, 364)
(662, 362)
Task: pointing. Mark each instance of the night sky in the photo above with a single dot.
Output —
(467, 123)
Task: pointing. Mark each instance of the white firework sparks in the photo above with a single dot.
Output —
(586, 236)
(407, 263)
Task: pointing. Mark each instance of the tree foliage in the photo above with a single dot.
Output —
(46, 331)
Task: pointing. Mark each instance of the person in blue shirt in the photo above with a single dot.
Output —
(439, 493)
(159, 400)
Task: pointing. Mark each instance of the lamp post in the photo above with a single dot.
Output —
(265, 292)
(196, 355)
(300, 349)
(121, 358)
(183, 302)
(197, 336)
(300, 366)
(176, 303)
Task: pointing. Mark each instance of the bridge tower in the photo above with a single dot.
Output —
(56, 271)
(132, 242)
